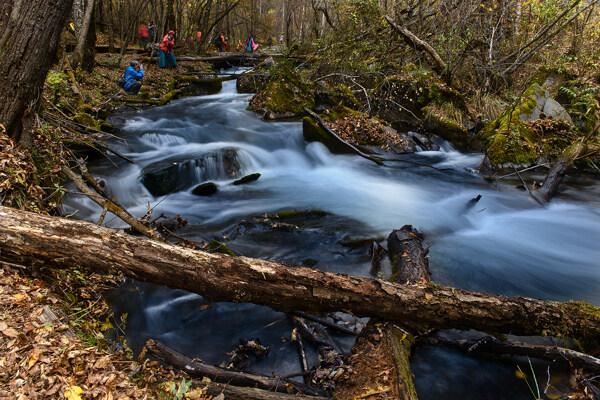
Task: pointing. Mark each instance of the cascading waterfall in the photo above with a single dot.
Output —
(506, 244)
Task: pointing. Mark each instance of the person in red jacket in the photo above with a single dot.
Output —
(166, 57)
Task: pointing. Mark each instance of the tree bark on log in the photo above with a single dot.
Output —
(86, 35)
(198, 369)
(381, 356)
(27, 51)
(30, 238)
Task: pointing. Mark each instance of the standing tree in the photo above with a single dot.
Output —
(27, 51)
(85, 28)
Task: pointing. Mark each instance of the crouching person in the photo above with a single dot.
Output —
(133, 77)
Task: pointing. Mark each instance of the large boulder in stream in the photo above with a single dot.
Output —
(532, 127)
(285, 95)
(173, 175)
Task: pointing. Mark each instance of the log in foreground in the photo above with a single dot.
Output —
(29, 238)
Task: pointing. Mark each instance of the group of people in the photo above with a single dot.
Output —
(134, 74)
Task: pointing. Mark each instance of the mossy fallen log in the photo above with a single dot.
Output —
(28, 238)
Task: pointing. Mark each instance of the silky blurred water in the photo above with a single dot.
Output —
(506, 244)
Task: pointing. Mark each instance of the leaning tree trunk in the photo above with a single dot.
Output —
(58, 242)
(27, 51)
(587, 147)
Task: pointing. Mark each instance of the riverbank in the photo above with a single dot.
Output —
(53, 345)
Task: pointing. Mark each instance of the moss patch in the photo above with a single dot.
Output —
(518, 136)
(217, 247)
(205, 189)
(87, 120)
(285, 93)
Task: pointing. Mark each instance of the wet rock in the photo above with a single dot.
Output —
(247, 179)
(205, 189)
(175, 175)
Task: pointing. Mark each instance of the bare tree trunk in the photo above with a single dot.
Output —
(111, 28)
(586, 147)
(438, 64)
(27, 52)
(83, 34)
(58, 242)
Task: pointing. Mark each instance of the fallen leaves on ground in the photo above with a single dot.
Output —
(362, 130)
(42, 359)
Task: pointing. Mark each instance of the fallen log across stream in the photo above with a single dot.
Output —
(40, 240)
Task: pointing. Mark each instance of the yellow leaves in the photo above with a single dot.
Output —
(34, 356)
(428, 296)
(73, 393)
(372, 392)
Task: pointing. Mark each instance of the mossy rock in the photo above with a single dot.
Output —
(510, 149)
(327, 97)
(417, 94)
(447, 125)
(205, 189)
(511, 137)
(106, 127)
(218, 247)
(251, 82)
(247, 179)
(295, 214)
(86, 120)
(285, 95)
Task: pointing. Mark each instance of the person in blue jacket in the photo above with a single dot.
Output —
(133, 77)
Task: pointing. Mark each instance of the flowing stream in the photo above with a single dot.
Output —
(506, 244)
